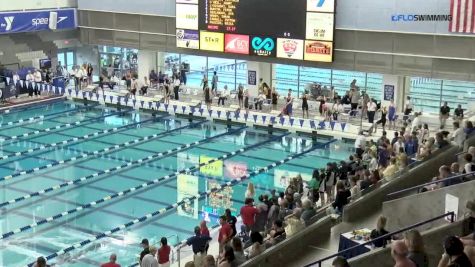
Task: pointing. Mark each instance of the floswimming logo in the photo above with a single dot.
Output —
(420, 18)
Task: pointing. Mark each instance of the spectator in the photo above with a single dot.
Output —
(284, 210)
(380, 231)
(204, 231)
(145, 250)
(342, 195)
(355, 188)
(383, 156)
(458, 113)
(225, 233)
(248, 214)
(395, 138)
(444, 114)
(339, 261)
(227, 257)
(198, 244)
(313, 185)
(330, 181)
(277, 233)
(149, 260)
(415, 246)
(401, 159)
(399, 253)
(238, 251)
(250, 191)
(257, 245)
(273, 213)
(112, 262)
(190, 264)
(261, 216)
(458, 135)
(209, 261)
(373, 162)
(440, 140)
(411, 145)
(468, 128)
(469, 166)
(231, 220)
(308, 211)
(293, 223)
(455, 168)
(164, 253)
(454, 255)
(416, 122)
(388, 173)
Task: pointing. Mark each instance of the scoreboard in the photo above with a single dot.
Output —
(292, 29)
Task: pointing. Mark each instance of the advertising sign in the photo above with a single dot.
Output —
(212, 169)
(318, 51)
(263, 46)
(235, 169)
(290, 48)
(31, 21)
(252, 77)
(321, 5)
(212, 41)
(236, 43)
(187, 16)
(187, 39)
(187, 186)
(319, 26)
(388, 92)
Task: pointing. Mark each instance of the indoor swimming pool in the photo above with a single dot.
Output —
(74, 172)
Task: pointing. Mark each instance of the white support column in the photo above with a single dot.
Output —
(147, 61)
(262, 70)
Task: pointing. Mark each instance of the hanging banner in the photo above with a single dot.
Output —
(43, 20)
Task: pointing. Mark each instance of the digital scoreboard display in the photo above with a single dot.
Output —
(292, 29)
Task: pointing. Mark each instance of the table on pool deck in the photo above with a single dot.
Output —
(347, 240)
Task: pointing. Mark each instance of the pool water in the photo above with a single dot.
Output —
(87, 151)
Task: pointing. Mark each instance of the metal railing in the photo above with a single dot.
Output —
(451, 216)
(416, 188)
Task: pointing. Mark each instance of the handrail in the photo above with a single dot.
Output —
(383, 237)
(391, 195)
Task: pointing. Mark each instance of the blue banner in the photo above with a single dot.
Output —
(31, 21)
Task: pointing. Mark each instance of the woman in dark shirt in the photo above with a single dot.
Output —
(415, 245)
(342, 196)
(380, 231)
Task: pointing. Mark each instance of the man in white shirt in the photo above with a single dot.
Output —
(78, 74)
(38, 80)
(360, 144)
(150, 260)
(415, 122)
(176, 86)
(30, 78)
(224, 95)
(372, 107)
(458, 135)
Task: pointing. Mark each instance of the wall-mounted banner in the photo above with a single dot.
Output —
(388, 92)
(31, 21)
(251, 77)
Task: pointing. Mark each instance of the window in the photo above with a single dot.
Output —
(241, 72)
(169, 63)
(197, 68)
(341, 80)
(226, 71)
(313, 75)
(458, 93)
(374, 85)
(425, 94)
(285, 77)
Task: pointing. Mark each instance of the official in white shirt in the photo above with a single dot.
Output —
(38, 80)
(30, 79)
(372, 107)
(360, 144)
(78, 75)
(176, 86)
